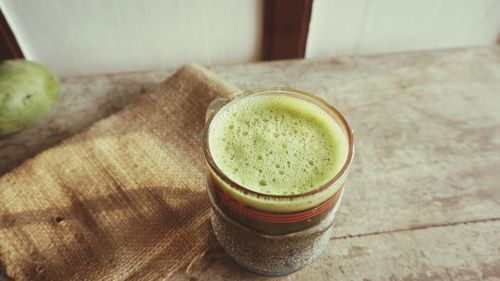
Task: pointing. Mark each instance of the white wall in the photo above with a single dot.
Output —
(379, 26)
(77, 37)
(81, 37)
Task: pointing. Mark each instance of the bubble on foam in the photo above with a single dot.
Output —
(263, 182)
(286, 140)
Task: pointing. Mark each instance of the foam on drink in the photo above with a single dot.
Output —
(279, 145)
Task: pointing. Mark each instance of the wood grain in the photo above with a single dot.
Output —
(425, 176)
(427, 133)
(426, 254)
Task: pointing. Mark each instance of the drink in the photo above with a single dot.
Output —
(277, 145)
(278, 159)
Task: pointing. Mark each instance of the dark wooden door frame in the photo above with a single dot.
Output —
(9, 48)
(286, 25)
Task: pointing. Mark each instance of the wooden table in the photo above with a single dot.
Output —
(423, 197)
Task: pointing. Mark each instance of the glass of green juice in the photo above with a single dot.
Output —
(277, 162)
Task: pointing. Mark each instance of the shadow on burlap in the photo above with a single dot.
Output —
(123, 199)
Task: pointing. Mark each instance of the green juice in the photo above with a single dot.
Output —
(278, 159)
(277, 145)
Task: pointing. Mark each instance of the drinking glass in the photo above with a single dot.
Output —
(273, 234)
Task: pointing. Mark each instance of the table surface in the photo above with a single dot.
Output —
(423, 197)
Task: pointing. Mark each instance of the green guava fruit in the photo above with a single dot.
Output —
(27, 91)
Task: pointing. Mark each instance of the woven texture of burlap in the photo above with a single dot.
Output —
(125, 199)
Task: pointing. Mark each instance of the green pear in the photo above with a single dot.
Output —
(27, 91)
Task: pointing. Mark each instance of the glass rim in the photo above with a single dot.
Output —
(294, 92)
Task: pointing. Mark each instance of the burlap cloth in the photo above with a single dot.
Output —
(124, 199)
